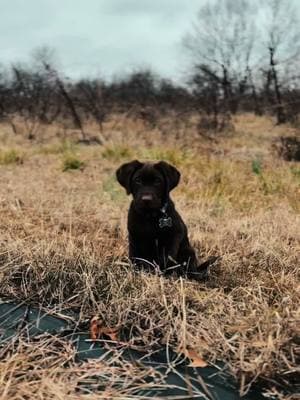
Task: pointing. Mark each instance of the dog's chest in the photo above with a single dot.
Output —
(151, 229)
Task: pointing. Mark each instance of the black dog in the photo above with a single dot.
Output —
(157, 233)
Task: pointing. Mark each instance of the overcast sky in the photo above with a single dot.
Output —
(99, 36)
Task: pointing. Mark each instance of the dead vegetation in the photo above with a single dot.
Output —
(63, 245)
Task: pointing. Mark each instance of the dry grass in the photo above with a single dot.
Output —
(63, 245)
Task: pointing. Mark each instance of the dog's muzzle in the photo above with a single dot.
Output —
(147, 197)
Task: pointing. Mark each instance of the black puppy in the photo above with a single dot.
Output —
(157, 233)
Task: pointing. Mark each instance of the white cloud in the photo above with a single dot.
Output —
(92, 35)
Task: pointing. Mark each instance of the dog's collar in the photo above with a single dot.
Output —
(165, 221)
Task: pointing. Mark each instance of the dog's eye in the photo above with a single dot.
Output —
(138, 181)
(157, 181)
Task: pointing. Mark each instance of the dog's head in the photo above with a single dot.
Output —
(149, 183)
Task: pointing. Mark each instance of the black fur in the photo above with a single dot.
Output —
(157, 233)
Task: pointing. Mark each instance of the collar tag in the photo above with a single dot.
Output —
(165, 222)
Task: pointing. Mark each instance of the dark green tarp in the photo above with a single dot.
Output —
(16, 319)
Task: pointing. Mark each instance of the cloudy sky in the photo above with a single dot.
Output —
(103, 37)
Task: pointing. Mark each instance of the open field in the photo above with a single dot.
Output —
(63, 245)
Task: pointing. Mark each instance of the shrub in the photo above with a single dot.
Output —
(11, 157)
(256, 167)
(72, 162)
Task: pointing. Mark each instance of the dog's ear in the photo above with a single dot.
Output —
(125, 172)
(171, 174)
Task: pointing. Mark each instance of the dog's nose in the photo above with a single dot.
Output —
(147, 197)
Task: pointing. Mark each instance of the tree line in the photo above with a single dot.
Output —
(40, 94)
(244, 56)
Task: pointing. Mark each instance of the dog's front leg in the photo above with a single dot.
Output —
(170, 256)
(140, 254)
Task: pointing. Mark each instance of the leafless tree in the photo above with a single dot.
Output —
(249, 49)
(6, 112)
(31, 98)
(92, 98)
(221, 48)
(280, 33)
(44, 57)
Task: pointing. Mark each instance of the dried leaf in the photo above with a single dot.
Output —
(112, 333)
(193, 356)
(97, 329)
(196, 360)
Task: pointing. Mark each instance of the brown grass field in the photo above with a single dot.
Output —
(63, 245)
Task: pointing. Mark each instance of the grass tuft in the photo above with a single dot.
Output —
(11, 156)
(257, 167)
(117, 152)
(71, 162)
(62, 147)
(174, 155)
